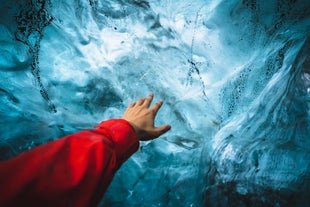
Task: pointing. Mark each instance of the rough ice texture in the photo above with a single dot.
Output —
(234, 75)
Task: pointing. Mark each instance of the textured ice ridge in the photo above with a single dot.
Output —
(234, 75)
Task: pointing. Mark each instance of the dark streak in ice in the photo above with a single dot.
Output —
(193, 65)
(31, 21)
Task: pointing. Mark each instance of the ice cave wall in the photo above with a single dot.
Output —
(234, 76)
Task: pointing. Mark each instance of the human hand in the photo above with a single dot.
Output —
(141, 117)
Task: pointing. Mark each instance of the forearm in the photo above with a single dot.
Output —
(72, 171)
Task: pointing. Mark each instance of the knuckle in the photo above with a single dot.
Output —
(152, 111)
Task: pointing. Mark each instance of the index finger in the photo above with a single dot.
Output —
(156, 107)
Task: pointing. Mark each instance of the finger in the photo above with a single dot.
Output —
(162, 129)
(148, 100)
(131, 105)
(140, 101)
(156, 107)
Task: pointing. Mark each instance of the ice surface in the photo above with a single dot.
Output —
(234, 75)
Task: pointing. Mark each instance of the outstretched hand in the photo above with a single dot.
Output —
(141, 117)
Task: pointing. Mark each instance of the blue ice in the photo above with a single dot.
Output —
(234, 77)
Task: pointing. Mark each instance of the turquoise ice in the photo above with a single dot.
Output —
(234, 77)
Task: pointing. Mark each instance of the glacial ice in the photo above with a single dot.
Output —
(234, 76)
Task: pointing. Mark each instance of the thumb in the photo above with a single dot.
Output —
(161, 129)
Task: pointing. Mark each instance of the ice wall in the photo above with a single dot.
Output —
(234, 75)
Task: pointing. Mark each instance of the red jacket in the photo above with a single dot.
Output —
(72, 171)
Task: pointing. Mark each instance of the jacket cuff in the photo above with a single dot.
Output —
(123, 136)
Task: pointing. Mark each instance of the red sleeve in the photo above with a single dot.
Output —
(71, 171)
